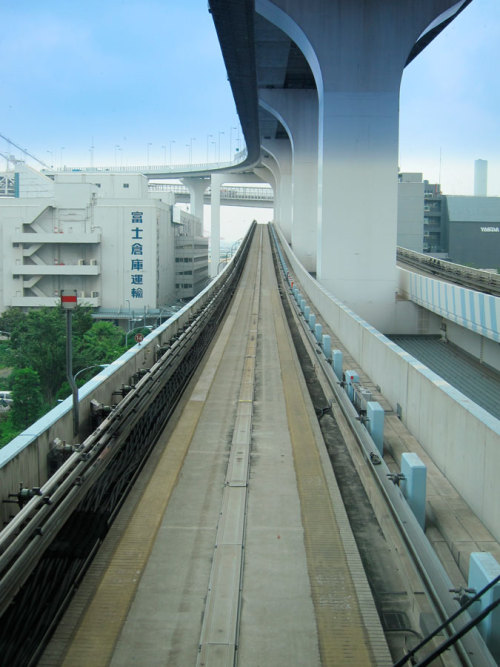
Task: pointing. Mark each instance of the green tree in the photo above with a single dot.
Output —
(82, 321)
(101, 344)
(39, 343)
(11, 319)
(27, 400)
(6, 358)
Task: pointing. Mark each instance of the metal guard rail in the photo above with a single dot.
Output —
(484, 281)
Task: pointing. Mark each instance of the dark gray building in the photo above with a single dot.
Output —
(470, 230)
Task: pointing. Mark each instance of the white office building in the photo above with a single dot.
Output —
(101, 234)
(410, 211)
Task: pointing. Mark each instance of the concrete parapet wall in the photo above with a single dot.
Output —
(473, 310)
(462, 439)
(24, 459)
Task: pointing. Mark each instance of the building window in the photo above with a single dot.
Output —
(125, 185)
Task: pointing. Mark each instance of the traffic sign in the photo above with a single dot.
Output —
(68, 299)
(139, 337)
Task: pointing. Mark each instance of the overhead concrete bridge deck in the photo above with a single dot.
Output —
(258, 531)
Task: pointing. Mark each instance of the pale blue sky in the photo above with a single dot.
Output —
(450, 100)
(131, 77)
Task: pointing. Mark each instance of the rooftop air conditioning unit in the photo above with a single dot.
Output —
(95, 295)
(93, 262)
(81, 262)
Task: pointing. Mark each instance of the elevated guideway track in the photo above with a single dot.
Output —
(234, 545)
(476, 279)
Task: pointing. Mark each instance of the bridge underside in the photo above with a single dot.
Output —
(317, 91)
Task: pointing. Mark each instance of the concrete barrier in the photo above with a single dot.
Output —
(462, 439)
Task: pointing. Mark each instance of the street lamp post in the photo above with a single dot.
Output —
(89, 367)
(209, 136)
(231, 142)
(76, 406)
(219, 144)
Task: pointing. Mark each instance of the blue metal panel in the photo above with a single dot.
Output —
(337, 363)
(327, 346)
(375, 415)
(414, 485)
(472, 310)
(483, 568)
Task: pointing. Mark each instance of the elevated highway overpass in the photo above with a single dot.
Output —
(230, 195)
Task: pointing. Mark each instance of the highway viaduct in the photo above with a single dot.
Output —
(316, 87)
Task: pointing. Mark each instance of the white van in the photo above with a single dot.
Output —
(5, 399)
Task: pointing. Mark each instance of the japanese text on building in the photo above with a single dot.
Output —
(136, 249)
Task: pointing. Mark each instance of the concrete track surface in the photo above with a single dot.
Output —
(235, 546)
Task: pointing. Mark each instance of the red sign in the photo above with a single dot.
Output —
(139, 337)
(68, 300)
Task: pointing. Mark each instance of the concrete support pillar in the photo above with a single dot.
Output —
(281, 152)
(357, 51)
(358, 214)
(297, 110)
(216, 181)
(196, 187)
(267, 175)
(271, 166)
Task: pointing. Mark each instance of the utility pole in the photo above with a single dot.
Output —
(69, 303)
